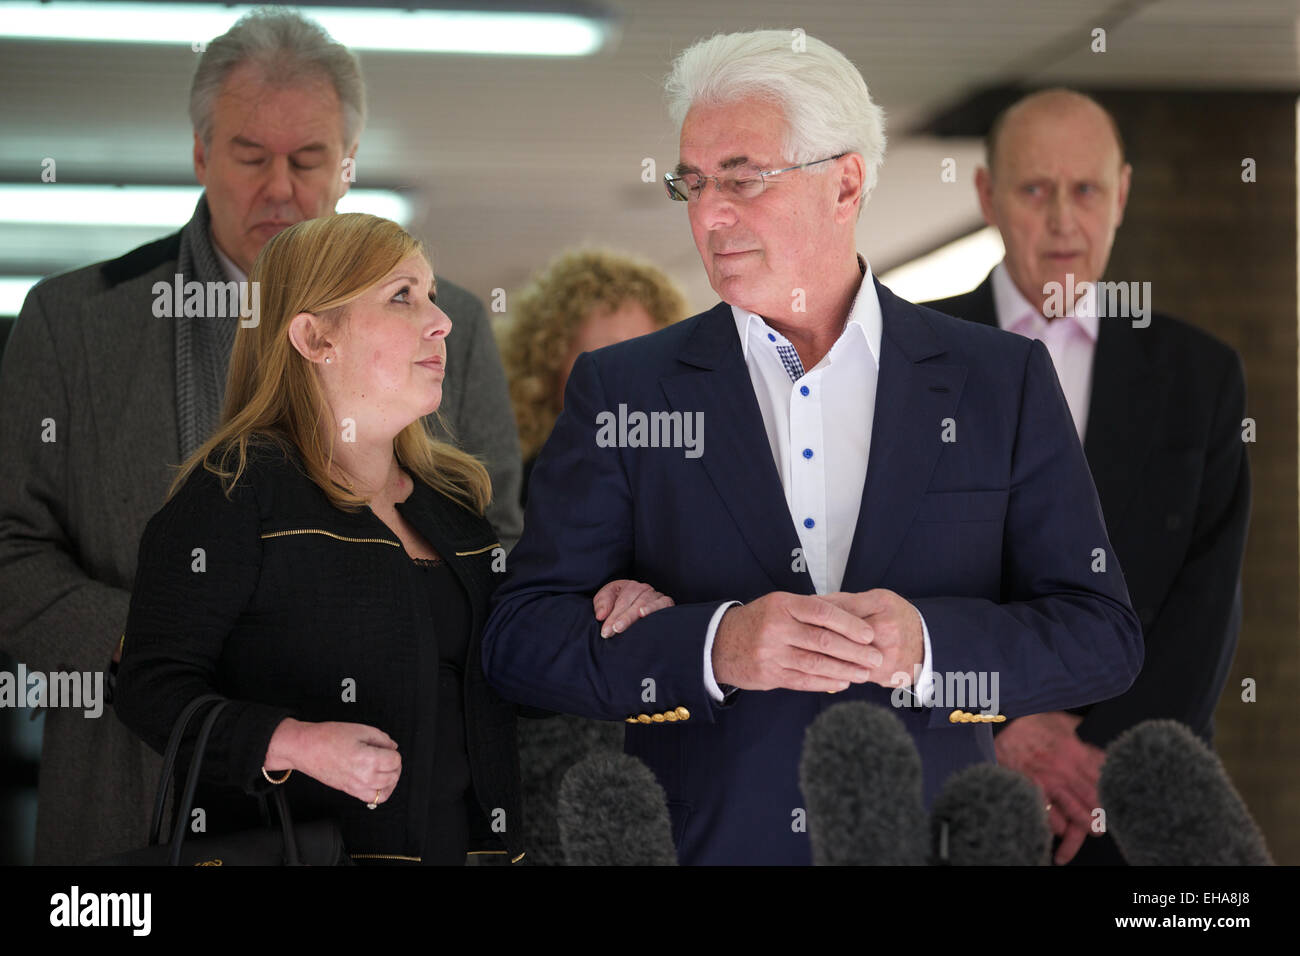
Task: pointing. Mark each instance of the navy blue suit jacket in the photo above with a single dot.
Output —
(994, 537)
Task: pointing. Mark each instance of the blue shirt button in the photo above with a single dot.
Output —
(771, 337)
(803, 389)
(807, 452)
(808, 522)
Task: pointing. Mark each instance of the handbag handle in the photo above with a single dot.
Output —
(291, 855)
(169, 761)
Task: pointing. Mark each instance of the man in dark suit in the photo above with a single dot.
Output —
(897, 496)
(1158, 405)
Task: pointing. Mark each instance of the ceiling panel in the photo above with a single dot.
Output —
(513, 160)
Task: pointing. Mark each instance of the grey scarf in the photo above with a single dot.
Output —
(202, 344)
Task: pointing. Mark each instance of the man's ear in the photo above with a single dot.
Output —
(984, 190)
(1125, 177)
(853, 173)
(200, 160)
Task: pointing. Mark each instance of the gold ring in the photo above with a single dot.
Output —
(375, 803)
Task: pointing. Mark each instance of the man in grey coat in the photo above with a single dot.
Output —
(104, 388)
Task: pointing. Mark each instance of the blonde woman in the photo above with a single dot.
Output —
(324, 563)
(582, 301)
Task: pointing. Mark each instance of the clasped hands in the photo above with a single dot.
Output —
(822, 642)
(1046, 748)
(804, 642)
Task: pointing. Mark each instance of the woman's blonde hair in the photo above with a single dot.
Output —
(547, 315)
(273, 392)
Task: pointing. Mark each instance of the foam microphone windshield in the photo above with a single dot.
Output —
(613, 812)
(988, 815)
(861, 778)
(1169, 801)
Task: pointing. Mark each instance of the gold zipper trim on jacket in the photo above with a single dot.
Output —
(416, 859)
(466, 554)
(331, 534)
(496, 852)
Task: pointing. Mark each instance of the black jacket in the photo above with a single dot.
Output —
(295, 608)
(1164, 443)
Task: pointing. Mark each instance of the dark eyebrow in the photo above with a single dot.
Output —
(732, 163)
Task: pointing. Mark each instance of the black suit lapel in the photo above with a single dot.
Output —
(1124, 402)
(976, 305)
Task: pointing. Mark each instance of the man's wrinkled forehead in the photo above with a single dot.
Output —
(730, 136)
(248, 97)
(1057, 154)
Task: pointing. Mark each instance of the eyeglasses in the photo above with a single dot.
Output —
(748, 185)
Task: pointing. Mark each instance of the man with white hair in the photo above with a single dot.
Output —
(105, 384)
(894, 495)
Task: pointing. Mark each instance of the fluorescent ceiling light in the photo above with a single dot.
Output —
(13, 289)
(422, 31)
(168, 207)
(950, 270)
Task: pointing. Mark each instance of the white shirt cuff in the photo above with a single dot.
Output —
(710, 684)
(923, 688)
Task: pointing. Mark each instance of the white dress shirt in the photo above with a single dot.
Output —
(1071, 339)
(819, 428)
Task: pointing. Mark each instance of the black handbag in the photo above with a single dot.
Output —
(318, 843)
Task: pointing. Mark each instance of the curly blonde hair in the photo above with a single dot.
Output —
(547, 316)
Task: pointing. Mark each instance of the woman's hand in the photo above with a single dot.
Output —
(361, 761)
(621, 603)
